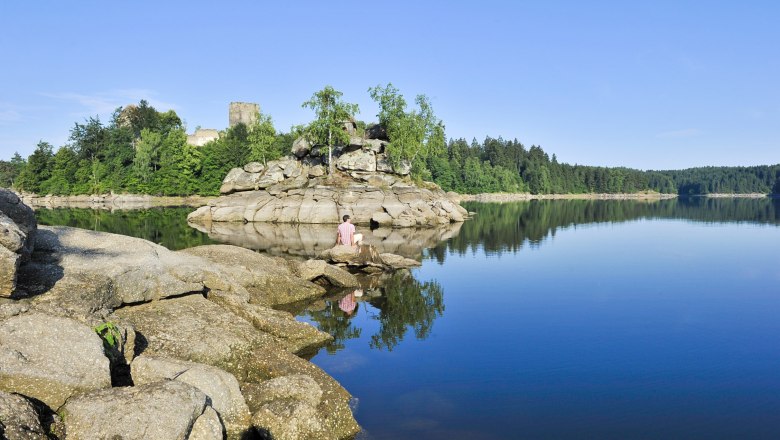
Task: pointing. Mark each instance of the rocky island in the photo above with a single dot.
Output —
(363, 183)
(109, 336)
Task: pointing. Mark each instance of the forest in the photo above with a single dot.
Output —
(144, 151)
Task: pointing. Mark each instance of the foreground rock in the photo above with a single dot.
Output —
(366, 258)
(162, 410)
(220, 387)
(195, 329)
(286, 408)
(19, 419)
(17, 235)
(269, 280)
(50, 358)
(83, 272)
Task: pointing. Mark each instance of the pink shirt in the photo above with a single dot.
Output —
(346, 230)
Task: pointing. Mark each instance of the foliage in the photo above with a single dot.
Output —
(141, 150)
(330, 114)
(109, 333)
(414, 135)
(262, 140)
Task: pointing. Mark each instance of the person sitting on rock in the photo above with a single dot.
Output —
(346, 234)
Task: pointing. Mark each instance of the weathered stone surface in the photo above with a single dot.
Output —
(268, 280)
(254, 167)
(50, 358)
(17, 234)
(382, 218)
(398, 262)
(83, 271)
(295, 386)
(301, 147)
(190, 328)
(18, 419)
(240, 180)
(375, 145)
(207, 426)
(294, 336)
(358, 160)
(24, 218)
(220, 386)
(193, 328)
(9, 265)
(336, 276)
(161, 410)
(289, 420)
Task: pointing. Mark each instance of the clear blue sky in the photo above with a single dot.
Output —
(650, 85)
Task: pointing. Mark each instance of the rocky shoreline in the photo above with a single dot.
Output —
(110, 201)
(109, 336)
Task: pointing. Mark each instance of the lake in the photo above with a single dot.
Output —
(550, 319)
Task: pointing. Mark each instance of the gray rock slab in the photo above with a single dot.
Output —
(50, 358)
(19, 419)
(219, 385)
(161, 410)
(269, 280)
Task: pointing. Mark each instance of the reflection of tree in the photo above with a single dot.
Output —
(510, 226)
(403, 303)
(333, 320)
(406, 303)
(166, 226)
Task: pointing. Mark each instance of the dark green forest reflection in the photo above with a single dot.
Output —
(165, 226)
(398, 302)
(510, 226)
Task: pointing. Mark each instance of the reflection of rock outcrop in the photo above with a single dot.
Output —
(309, 240)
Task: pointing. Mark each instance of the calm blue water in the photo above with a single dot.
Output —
(650, 326)
(557, 319)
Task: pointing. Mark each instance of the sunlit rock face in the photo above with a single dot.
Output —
(319, 185)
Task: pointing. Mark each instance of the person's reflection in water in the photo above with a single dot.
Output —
(348, 304)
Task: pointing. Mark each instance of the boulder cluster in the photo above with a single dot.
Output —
(109, 336)
(297, 189)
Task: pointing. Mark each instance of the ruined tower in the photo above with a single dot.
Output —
(245, 112)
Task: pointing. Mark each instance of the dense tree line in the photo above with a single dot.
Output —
(500, 165)
(141, 150)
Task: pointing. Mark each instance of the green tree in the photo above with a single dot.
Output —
(414, 135)
(262, 139)
(38, 168)
(331, 113)
(147, 152)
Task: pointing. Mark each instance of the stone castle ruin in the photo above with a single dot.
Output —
(238, 112)
(243, 112)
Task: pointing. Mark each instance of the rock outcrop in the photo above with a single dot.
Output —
(366, 258)
(268, 280)
(192, 331)
(19, 419)
(17, 234)
(161, 410)
(220, 387)
(50, 358)
(367, 186)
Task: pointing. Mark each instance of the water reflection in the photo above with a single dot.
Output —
(398, 302)
(508, 227)
(308, 240)
(166, 226)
